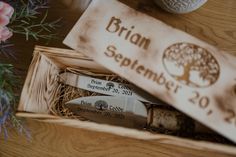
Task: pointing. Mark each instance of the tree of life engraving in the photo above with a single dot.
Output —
(101, 105)
(191, 65)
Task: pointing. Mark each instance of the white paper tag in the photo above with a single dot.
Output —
(102, 86)
(122, 111)
(193, 76)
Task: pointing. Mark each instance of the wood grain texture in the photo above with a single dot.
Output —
(45, 90)
(56, 140)
(214, 23)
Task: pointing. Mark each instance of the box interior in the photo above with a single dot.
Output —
(41, 89)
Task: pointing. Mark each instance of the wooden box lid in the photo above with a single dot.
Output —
(172, 65)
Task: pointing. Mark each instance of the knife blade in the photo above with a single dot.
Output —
(121, 111)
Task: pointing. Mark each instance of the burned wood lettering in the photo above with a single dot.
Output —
(227, 110)
(114, 26)
(125, 62)
(231, 117)
(203, 102)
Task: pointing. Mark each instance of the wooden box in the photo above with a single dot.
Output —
(40, 90)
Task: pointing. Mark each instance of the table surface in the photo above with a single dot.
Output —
(214, 23)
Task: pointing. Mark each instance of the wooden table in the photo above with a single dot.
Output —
(214, 23)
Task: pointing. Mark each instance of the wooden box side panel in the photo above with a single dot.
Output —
(40, 86)
(143, 137)
(59, 140)
(64, 58)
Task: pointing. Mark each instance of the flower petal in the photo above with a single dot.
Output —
(1, 5)
(4, 20)
(6, 9)
(5, 34)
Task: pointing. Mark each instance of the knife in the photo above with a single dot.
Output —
(121, 111)
(131, 113)
(107, 87)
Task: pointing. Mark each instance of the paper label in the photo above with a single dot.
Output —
(193, 76)
(102, 86)
(122, 111)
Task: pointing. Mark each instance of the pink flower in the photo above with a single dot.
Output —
(6, 12)
(4, 34)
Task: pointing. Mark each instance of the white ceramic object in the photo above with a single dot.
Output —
(180, 6)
